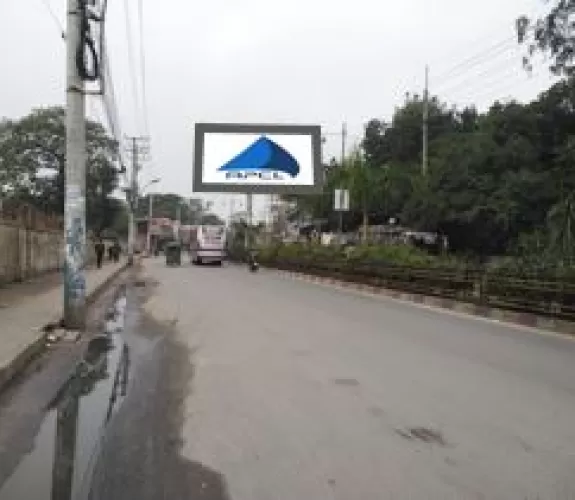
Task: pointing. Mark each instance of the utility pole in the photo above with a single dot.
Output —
(75, 177)
(179, 221)
(231, 214)
(343, 140)
(425, 123)
(150, 216)
(135, 148)
(133, 201)
(249, 222)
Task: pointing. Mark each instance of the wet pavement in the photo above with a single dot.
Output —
(219, 384)
(61, 461)
(304, 391)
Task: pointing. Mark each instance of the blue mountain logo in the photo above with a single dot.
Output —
(263, 155)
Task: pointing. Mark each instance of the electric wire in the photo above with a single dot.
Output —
(87, 47)
(143, 66)
(54, 18)
(478, 59)
(478, 78)
(132, 64)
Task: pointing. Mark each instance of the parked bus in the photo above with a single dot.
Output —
(207, 244)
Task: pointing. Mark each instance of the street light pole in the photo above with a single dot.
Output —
(150, 215)
(136, 149)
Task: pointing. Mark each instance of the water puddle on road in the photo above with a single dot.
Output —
(67, 446)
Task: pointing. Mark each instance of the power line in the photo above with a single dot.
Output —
(498, 86)
(132, 63)
(110, 106)
(473, 79)
(143, 66)
(475, 60)
(54, 17)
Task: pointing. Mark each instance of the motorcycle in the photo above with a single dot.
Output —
(253, 264)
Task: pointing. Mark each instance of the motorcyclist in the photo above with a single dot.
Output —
(252, 262)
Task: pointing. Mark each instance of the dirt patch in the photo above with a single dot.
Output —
(346, 382)
(423, 434)
(376, 411)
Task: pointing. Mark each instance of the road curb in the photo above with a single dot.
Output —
(20, 362)
(496, 314)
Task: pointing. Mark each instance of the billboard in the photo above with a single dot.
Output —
(242, 158)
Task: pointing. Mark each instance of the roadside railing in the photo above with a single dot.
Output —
(544, 294)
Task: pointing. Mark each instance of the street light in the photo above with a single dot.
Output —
(150, 213)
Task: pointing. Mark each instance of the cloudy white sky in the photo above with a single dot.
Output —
(303, 61)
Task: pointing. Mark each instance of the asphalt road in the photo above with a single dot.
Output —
(260, 387)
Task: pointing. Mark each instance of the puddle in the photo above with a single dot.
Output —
(68, 443)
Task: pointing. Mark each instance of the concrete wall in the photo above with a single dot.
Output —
(25, 253)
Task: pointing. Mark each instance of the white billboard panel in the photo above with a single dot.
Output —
(257, 158)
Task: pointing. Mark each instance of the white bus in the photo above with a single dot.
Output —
(207, 244)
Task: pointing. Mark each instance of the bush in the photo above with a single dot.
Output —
(391, 255)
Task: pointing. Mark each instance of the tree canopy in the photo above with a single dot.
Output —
(495, 179)
(553, 35)
(32, 163)
(171, 206)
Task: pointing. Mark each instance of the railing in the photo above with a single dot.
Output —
(544, 293)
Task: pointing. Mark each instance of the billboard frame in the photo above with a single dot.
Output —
(201, 129)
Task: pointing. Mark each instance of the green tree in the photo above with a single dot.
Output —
(497, 181)
(170, 206)
(32, 163)
(553, 35)
(211, 219)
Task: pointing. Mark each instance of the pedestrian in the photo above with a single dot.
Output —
(116, 249)
(100, 249)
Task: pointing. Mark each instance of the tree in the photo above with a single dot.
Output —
(32, 163)
(170, 206)
(365, 184)
(497, 181)
(211, 219)
(553, 35)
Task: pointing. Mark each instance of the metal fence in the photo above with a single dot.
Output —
(540, 293)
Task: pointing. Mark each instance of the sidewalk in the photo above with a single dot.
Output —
(25, 308)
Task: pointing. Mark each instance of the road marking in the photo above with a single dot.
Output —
(438, 310)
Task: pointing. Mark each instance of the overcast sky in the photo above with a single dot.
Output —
(302, 61)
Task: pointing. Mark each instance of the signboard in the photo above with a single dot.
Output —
(341, 200)
(257, 158)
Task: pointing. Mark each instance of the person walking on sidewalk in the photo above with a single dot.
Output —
(117, 249)
(100, 249)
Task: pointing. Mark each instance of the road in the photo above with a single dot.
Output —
(263, 387)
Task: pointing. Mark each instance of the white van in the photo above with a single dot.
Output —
(207, 244)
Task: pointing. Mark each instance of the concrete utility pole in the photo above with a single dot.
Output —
(249, 221)
(425, 122)
(135, 149)
(150, 216)
(133, 201)
(75, 178)
(343, 140)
